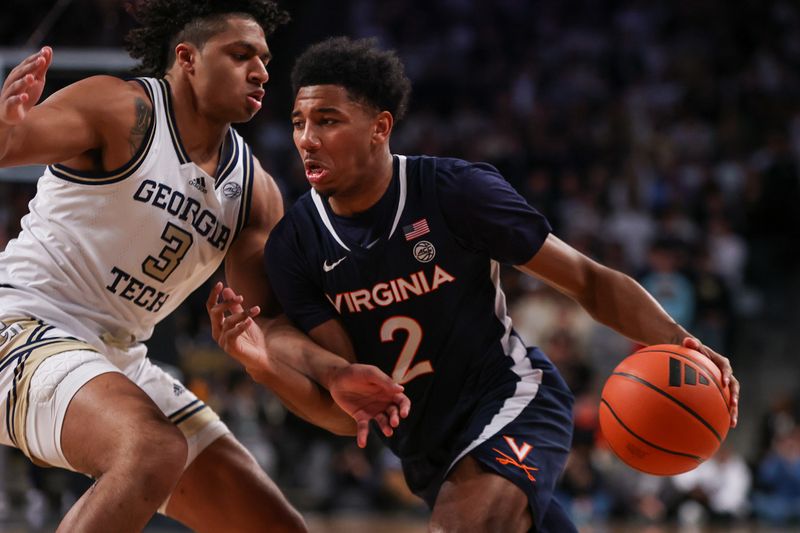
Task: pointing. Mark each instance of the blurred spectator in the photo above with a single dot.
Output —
(713, 306)
(777, 498)
(632, 125)
(716, 491)
(668, 284)
(780, 419)
(582, 491)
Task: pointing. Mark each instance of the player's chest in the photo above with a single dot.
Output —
(393, 276)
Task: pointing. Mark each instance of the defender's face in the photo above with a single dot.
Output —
(231, 69)
(334, 137)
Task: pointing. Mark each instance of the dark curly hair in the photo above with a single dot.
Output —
(370, 75)
(165, 23)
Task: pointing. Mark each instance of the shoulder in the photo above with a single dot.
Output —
(104, 93)
(111, 105)
(451, 169)
(451, 172)
(463, 181)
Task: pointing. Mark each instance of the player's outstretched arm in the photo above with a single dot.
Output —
(618, 301)
(77, 119)
(272, 350)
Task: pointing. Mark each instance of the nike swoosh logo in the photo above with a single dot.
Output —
(328, 267)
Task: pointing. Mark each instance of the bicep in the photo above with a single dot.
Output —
(488, 216)
(244, 266)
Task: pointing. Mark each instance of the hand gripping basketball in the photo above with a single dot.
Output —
(664, 409)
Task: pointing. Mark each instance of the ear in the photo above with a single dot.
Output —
(185, 55)
(384, 121)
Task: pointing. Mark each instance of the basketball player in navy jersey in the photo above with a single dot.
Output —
(394, 260)
(148, 190)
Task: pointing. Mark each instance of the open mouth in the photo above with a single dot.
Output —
(315, 172)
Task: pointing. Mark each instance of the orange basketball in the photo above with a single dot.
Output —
(664, 409)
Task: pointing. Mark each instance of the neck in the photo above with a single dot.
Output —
(201, 135)
(376, 179)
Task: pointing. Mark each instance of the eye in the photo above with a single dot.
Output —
(297, 124)
(328, 121)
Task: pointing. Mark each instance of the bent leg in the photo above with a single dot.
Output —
(475, 500)
(224, 489)
(114, 432)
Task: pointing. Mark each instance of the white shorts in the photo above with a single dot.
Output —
(43, 367)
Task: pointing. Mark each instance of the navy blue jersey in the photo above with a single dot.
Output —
(415, 282)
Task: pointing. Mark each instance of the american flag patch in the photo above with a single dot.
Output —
(417, 229)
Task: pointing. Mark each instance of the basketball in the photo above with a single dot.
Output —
(664, 409)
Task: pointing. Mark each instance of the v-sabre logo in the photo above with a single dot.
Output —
(390, 292)
(521, 452)
(690, 374)
(327, 267)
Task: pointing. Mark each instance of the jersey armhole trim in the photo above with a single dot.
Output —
(229, 159)
(104, 178)
(247, 189)
(172, 124)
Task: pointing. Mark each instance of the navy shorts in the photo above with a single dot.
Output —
(530, 449)
(531, 452)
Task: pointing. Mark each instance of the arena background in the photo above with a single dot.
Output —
(661, 137)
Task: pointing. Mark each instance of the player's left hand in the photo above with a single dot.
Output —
(366, 393)
(728, 379)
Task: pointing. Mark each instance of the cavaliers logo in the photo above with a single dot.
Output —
(424, 252)
(232, 190)
(521, 452)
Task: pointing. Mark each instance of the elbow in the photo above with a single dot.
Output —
(591, 283)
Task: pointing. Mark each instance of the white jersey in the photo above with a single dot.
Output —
(107, 256)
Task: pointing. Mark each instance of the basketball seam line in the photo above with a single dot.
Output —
(677, 401)
(709, 375)
(656, 446)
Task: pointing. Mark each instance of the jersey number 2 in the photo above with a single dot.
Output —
(403, 371)
(178, 243)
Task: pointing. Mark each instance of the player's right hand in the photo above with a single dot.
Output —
(233, 327)
(23, 87)
(367, 394)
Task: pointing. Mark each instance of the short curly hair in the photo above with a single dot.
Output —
(370, 75)
(165, 23)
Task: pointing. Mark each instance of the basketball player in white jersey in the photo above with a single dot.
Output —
(147, 191)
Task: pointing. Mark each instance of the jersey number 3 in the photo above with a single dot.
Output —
(178, 243)
(403, 371)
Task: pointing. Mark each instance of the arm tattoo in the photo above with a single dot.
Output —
(144, 116)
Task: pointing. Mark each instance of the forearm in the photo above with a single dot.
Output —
(290, 346)
(298, 371)
(619, 302)
(304, 397)
(6, 133)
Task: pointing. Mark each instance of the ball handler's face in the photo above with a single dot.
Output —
(230, 71)
(334, 136)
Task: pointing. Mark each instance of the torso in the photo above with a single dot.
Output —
(417, 304)
(114, 252)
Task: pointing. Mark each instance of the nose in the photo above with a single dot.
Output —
(258, 74)
(307, 139)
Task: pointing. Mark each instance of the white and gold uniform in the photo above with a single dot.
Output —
(100, 260)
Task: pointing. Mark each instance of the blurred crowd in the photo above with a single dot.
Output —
(660, 137)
